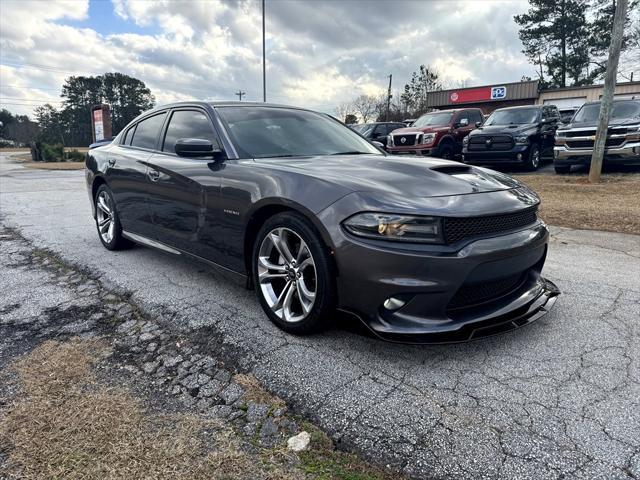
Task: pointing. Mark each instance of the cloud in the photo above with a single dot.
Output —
(319, 54)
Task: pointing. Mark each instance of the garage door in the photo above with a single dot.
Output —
(566, 102)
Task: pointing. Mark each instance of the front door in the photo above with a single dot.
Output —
(183, 193)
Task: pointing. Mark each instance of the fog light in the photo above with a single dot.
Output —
(519, 156)
(393, 303)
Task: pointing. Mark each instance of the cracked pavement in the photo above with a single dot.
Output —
(557, 399)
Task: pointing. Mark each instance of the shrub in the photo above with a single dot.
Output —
(74, 156)
(52, 153)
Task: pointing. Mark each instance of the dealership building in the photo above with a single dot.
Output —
(491, 97)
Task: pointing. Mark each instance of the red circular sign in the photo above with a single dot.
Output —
(454, 96)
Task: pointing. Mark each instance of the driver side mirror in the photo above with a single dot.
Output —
(463, 122)
(196, 147)
(378, 144)
(478, 124)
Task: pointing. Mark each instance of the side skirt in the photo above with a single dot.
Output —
(236, 277)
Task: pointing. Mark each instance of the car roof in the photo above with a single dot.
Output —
(518, 107)
(615, 100)
(223, 104)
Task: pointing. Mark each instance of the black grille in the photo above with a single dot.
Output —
(456, 229)
(476, 293)
(611, 142)
(490, 142)
(409, 139)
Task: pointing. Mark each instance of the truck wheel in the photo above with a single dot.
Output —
(533, 161)
(445, 151)
(562, 169)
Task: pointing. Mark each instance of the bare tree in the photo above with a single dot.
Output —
(343, 110)
(366, 106)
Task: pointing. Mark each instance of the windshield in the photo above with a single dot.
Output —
(619, 110)
(261, 132)
(519, 116)
(435, 118)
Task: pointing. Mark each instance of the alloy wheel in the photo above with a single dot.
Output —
(535, 158)
(105, 217)
(287, 274)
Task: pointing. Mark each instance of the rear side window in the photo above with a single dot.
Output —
(147, 132)
(187, 124)
(126, 140)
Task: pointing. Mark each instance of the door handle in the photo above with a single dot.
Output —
(154, 175)
(111, 162)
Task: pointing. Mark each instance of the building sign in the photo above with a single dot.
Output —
(100, 122)
(481, 94)
(98, 125)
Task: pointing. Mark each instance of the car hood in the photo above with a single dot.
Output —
(407, 176)
(614, 122)
(432, 129)
(503, 129)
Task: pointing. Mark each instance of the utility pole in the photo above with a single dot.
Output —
(388, 98)
(609, 88)
(240, 94)
(264, 61)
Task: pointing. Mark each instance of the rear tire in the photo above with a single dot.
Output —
(107, 221)
(562, 169)
(293, 275)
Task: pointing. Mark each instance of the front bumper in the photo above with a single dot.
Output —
(423, 150)
(517, 155)
(627, 154)
(429, 280)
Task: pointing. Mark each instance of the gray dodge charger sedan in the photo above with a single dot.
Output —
(315, 218)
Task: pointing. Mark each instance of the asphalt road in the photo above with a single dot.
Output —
(558, 399)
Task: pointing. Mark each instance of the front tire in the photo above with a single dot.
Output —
(533, 160)
(293, 274)
(107, 221)
(445, 151)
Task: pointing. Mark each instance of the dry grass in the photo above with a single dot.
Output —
(55, 165)
(66, 425)
(255, 393)
(571, 201)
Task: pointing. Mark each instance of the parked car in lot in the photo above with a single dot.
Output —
(377, 131)
(438, 134)
(408, 122)
(574, 142)
(301, 208)
(514, 135)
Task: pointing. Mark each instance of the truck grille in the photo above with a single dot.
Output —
(483, 143)
(476, 293)
(590, 133)
(457, 229)
(611, 142)
(409, 139)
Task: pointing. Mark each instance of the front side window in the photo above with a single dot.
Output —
(147, 131)
(262, 132)
(433, 119)
(517, 116)
(187, 124)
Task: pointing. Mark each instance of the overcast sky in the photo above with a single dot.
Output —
(319, 52)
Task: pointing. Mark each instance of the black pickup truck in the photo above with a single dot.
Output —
(514, 135)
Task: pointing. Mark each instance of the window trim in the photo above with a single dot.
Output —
(187, 108)
(135, 127)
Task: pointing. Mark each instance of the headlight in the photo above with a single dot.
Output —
(388, 226)
(389, 140)
(465, 140)
(560, 133)
(428, 138)
(633, 129)
(522, 140)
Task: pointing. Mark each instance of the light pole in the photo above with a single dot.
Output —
(264, 61)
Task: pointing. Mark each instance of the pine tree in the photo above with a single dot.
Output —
(555, 36)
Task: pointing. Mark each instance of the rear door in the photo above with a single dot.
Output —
(183, 193)
(127, 173)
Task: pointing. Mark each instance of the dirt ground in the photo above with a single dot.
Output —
(571, 201)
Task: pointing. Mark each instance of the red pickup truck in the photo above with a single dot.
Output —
(438, 134)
